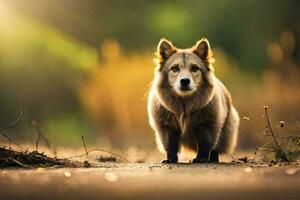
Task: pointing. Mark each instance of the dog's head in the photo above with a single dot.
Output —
(185, 69)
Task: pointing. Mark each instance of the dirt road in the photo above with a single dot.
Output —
(154, 181)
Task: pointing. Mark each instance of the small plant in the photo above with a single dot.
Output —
(279, 148)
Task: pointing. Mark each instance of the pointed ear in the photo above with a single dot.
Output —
(202, 49)
(165, 49)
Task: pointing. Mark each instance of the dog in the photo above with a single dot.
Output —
(188, 106)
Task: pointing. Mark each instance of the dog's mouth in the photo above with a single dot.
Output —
(185, 88)
(185, 91)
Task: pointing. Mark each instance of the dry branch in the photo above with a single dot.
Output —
(101, 150)
(12, 124)
(83, 142)
(40, 136)
(105, 151)
(13, 158)
(93, 150)
(276, 145)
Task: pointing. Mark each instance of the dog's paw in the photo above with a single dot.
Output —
(200, 160)
(170, 160)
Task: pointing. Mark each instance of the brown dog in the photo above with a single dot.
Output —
(189, 106)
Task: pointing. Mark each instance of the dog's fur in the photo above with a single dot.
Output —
(201, 118)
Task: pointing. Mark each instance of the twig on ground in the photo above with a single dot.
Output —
(92, 150)
(83, 142)
(244, 159)
(18, 163)
(40, 136)
(11, 141)
(101, 150)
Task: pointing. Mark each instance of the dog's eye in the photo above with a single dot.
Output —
(195, 68)
(175, 68)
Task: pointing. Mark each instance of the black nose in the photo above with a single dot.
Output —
(184, 82)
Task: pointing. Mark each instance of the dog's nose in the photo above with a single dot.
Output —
(184, 82)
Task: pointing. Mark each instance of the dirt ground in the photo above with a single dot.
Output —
(154, 181)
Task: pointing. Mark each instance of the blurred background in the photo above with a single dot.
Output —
(84, 67)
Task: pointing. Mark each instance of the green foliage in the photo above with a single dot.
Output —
(66, 129)
(42, 66)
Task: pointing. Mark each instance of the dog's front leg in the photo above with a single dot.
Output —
(205, 140)
(171, 143)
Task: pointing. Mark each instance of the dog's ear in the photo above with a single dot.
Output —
(203, 51)
(165, 49)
